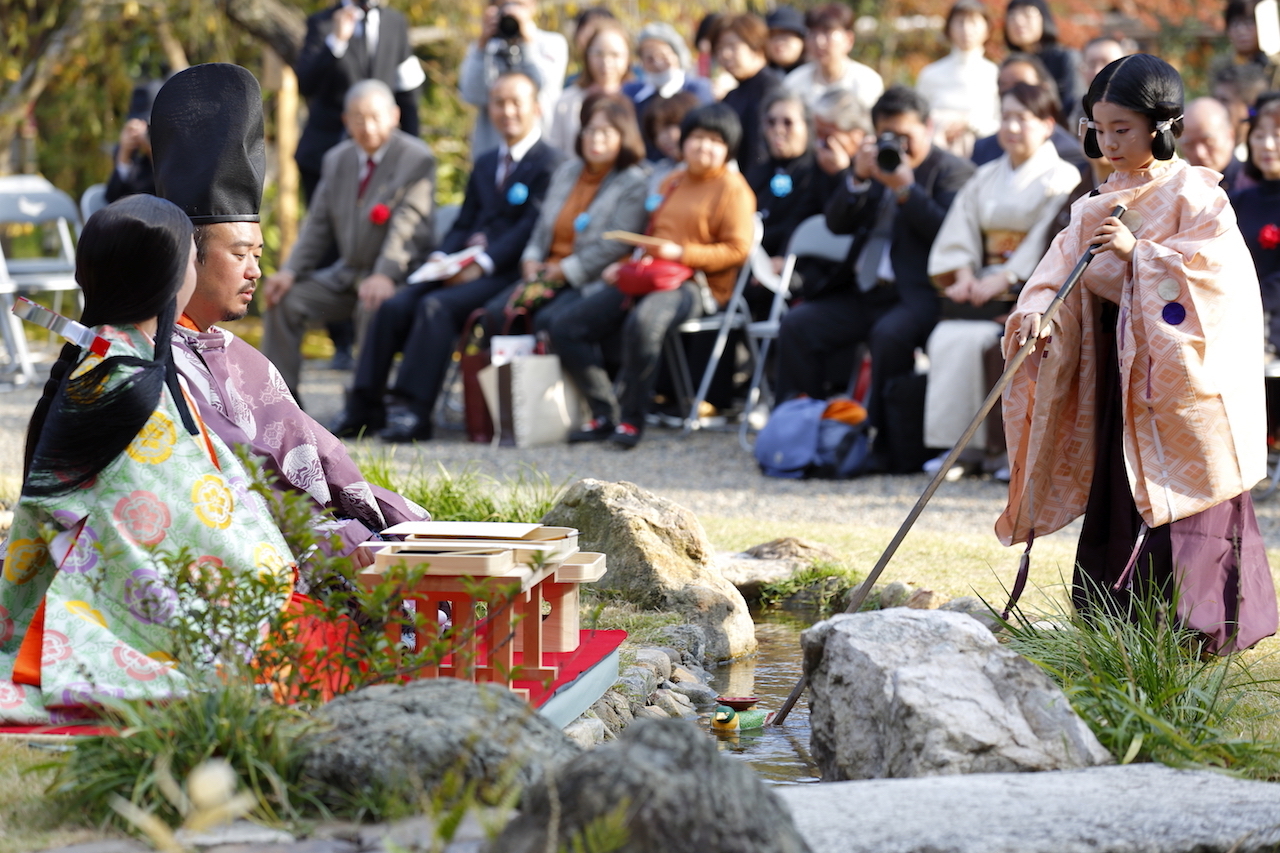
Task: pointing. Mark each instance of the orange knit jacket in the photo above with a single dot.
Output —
(711, 218)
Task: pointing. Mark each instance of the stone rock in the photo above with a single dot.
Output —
(637, 683)
(923, 599)
(901, 693)
(586, 731)
(689, 640)
(894, 595)
(975, 608)
(239, 832)
(117, 845)
(404, 738)
(659, 558)
(614, 710)
(682, 675)
(672, 703)
(657, 659)
(1138, 808)
(672, 654)
(683, 796)
(750, 574)
(652, 712)
(696, 692)
(790, 548)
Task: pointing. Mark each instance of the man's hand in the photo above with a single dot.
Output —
(276, 285)
(469, 273)
(375, 290)
(832, 158)
(344, 23)
(133, 137)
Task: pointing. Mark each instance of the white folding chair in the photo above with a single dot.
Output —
(736, 315)
(92, 200)
(811, 239)
(32, 200)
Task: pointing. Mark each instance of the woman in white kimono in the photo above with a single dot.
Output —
(990, 242)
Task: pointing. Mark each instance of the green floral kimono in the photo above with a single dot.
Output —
(93, 557)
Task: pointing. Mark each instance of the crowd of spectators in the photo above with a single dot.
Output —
(951, 188)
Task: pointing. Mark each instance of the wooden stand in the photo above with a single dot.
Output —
(503, 573)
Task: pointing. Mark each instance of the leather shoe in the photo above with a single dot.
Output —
(404, 426)
(351, 423)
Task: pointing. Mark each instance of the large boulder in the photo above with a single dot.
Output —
(404, 739)
(659, 558)
(671, 790)
(902, 693)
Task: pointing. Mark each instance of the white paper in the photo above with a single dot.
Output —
(446, 267)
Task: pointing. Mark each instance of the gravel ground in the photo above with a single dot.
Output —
(706, 471)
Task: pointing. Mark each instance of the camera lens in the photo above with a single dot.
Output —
(888, 152)
(508, 27)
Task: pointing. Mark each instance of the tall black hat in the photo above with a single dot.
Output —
(207, 143)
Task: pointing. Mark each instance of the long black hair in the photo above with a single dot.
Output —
(1265, 100)
(1147, 85)
(131, 262)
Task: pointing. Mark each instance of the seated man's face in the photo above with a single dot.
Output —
(228, 273)
(371, 121)
(513, 107)
(1205, 143)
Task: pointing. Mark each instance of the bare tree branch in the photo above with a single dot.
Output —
(281, 26)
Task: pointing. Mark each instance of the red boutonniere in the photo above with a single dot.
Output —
(1269, 236)
(380, 213)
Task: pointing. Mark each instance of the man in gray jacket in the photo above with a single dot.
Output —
(375, 202)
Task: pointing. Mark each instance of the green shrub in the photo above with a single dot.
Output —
(1150, 692)
(823, 586)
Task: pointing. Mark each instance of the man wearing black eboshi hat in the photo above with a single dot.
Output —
(207, 144)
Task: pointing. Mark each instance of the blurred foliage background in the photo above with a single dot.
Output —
(67, 130)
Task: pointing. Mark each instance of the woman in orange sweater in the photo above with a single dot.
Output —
(704, 215)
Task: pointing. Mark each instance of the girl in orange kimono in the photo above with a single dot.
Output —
(1142, 407)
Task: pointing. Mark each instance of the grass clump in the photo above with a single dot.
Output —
(1150, 692)
(467, 495)
(822, 587)
(643, 627)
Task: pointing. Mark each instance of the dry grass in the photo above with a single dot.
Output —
(27, 820)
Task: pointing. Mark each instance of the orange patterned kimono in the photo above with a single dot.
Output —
(1190, 350)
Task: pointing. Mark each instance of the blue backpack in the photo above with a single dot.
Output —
(798, 442)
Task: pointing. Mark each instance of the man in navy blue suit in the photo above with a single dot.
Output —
(503, 199)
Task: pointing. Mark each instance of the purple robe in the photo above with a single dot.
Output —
(244, 400)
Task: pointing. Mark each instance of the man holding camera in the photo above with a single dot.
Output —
(510, 41)
(892, 196)
(352, 41)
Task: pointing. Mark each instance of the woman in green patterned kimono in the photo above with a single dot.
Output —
(120, 477)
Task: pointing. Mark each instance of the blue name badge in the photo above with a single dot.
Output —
(651, 203)
(518, 194)
(780, 185)
(581, 221)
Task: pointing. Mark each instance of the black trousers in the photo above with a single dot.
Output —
(831, 327)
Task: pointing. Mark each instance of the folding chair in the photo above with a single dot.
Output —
(736, 315)
(32, 200)
(93, 200)
(811, 239)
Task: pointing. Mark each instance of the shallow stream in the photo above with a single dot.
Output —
(779, 754)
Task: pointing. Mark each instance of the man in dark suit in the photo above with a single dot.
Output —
(352, 41)
(882, 295)
(503, 199)
(374, 202)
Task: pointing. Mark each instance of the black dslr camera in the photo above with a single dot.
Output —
(888, 152)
